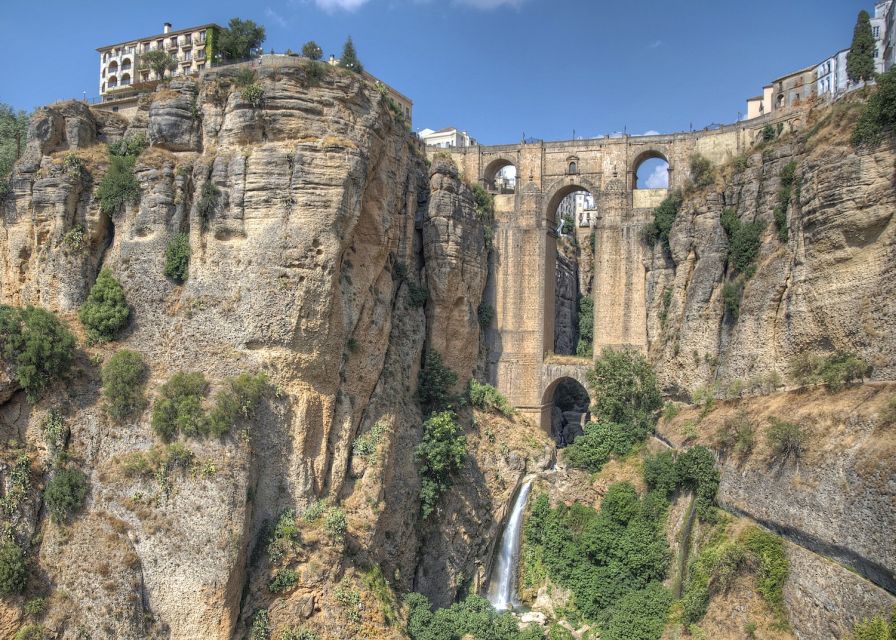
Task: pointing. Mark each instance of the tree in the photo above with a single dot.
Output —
(65, 494)
(13, 134)
(860, 59)
(349, 58)
(106, 311)
(158, 61)
(13, 572)
(241, 39)
(312, 50)
(123, 379)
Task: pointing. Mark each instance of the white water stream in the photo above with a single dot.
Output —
(502, 582)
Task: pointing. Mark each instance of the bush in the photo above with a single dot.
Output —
(285, 538)
(179, 407)
(177, 258)
(434, 384)
(473, 617)
(486, 315)
(785, 439)
(591, 450)
(744, 242)
(771, 565)
(335, 524)
(627, 389)
(768, 133)
(835, 370)
(65, 494)
(486, 397)
(878, 119)
(702, 174)
(315, 72)
(13, 571)
(640, 615)
(119, 186)
(106, 312)
(209, 199)
(31, 632)
(129, 147)
(663, 218)
(297, 633)
(877, 628)
(440, 453)
(238, 399)
(417, 294)
(260, 626)
(36, 346)
(585, 348)
(788, 174)
(694, 470)
(73, 240)
(253, 94)
(283, 580)
(732, 293)
(365, 445)
(736, 435)
(123, 378)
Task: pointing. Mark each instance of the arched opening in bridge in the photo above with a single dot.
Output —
(651, 171)
(500, 176)
(572, 212)
(569, 409)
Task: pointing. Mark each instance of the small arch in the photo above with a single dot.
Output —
(113, 67)
(567, 404)
(573, 168)
(113, 82)
(125, 64)
(650, 170)
(500, 176)
(125, 79)
(558, 192)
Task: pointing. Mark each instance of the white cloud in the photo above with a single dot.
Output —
(655, 44)
(659, 179)
(651, 133)
(344, 5)
(276, 17)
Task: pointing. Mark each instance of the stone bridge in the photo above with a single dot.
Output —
(521, 285)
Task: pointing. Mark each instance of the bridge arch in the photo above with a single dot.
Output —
(566, 405)
(562, 188)
(652, 153)
(493, 169)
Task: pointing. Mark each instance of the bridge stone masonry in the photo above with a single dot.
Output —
(521, 282)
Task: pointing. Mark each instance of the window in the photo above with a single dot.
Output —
(200, 66)
(876, 33)
(573, 168)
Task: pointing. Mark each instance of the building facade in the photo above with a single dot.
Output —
(831, 75)
(879, 29)
(120, 68)
(446, 138)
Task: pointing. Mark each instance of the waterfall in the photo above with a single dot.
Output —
(502, 582)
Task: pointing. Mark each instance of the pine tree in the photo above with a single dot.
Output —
(349, 58)
(860, 59)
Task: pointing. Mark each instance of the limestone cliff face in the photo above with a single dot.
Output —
(319, 193)
(829, 287)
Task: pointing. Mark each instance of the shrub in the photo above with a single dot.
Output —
(36, 346)
(129, 147)
(736, 435)
(284, 579)
(702, 174)
(877, 628)
(315, 72)
(835, 370)
(297, 633)
(694, 470)
(585, 348)
(771, 565)
(73, 166)
(349, 599)
(732, 293)
(123, 378)
(209, 199)
(640, 615)
(65, 494)
(484, 203)
(238, 399)
(284, 538)
(106, 312)
(627, 389)
(365, 445)
(260, 626)
(177, 258)
(253, 94)
(744, 242)
(788, 174)
(474, 617)
(440, 453)
(663, 218)
(36, 607)
(119, 186)
(434, 384)
(31, 632)
(591, 450)
(486, 397)
(312, 50)
(417, 294)
(179, 406)
(73, 240)
(335, 524)
(486, 315)
(785, 439)
(878, 119)
(13, 572)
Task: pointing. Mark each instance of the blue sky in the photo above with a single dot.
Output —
(497, 68)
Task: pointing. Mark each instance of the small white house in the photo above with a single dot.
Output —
(446, 138)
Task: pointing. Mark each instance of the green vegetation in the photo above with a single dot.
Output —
(65, 494)
(260, 626)
(73, 166)
(693, 470)
(664, 310)
(473, 617)
(129, 147)
(835, 370)
(768, 133)
(158, 61)
(335, 524)
(417, 294)
(297, 633)
(365, 445)
(105, 312)
(350, 600)
(744, 242)
(628, 393)
(285, 538)
(785, 440)
(158, 463)
(31, 632)
(486, 314)
(605, 557)
(598, 444)
(440, 453)
(177, 258)
(123, 380)
(36, 607)
(209, 200)
(179, 408)
(860, 59)
(13, 135)
(663, 218)
(312, 50)
(878, 118)
(702, 174)
(36, 346)
(485, 211)
(55, 434)
(13, 571)
(434, 384)
(349, 59)
(640, 615)
(119, 186)
(732, 294)
(736, 435)
(486, 397)
(283, 580)
(253, 94)
(788, 173)
(73, 240)
(242, 39)
(585, 348)
(877, 628)
(19, 479)
(714, 570)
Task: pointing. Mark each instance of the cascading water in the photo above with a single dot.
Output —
(502, 582)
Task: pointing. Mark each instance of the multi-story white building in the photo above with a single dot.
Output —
(832, 78)
(446, 138)
(879, 31)
(192, 50)
(578, 207)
